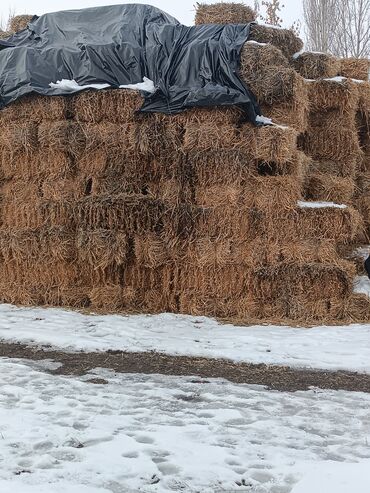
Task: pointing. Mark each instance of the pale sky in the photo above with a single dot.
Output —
(183, 10)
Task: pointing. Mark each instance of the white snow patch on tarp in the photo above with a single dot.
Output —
(320, 205)
(264, 120)
(72, 86)
(330, 348)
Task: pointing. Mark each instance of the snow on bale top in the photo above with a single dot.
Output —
(224, 13)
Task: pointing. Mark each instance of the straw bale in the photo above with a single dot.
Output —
(275, 143)
(208, 136)
(209, 251)
(303, 310)
(171, 191)
(274, 85)
(151, 250)
(143, 279)
(113, 105)
(256, 57)
(107, 136)
(218, 115)
(18, 215)
(19, 22)
(329, 94)
(344, 169)
(63, 136)
(21, 191)
(224, 13)
(130, 213)
(219, 282)
(327, 145)
(313, 65)
(19, 137)
(36, 108)
(363, 183)
(192, 303)
(5, 34)
(18, 294)
(313, 281)
(218, 195)
(63, 189)
(73, 297)
(272, 193)
(355, 68)
(285, 39)
(329, 188)
(101, 248)
(55, 213)
(340, 225)
(217, 167)
(357, 309)
(292, 114)
(108, 298)
(110, 184)
(47, 163)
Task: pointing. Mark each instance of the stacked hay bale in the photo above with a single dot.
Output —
(198, 213)
(15, 23)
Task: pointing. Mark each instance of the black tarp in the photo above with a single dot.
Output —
(122, 44)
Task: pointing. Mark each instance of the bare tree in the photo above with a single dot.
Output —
(353, 29)
(321, 19)
(340, 27)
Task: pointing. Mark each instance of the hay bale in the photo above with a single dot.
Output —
(323, 145)
(357, 309)
(218, 195)
(355, 68)
(256, 57)
(284, 39)
(224, 13)
(5, 34)
(329, 188)
(36, 108)
(151, 251)
(19, 137)
(311, 281)
(19, 22)
(111, 298)
(112, 105)
(274, 143)
(21, 191)
(274, 85)
(21, 215)
(62, 136)
(62, 189)
(39, 165)
(207, 137)
(344, 169)
(218, 115)
(102, 248)
(324, 223)
(317, 65)
(292, 114)
(271, 193)
(130, 213)
(333, 94)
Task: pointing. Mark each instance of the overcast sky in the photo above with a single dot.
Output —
(183, 10)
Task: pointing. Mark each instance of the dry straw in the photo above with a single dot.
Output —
(224, 13)
(329, 188)
(35, 108)
(355, 68)
(344, 169)
(151, 251)
(62, 136)
(18, 22)
(329, 94)
(317, 65)
(102, 248)
(112, 105)
(284, 39)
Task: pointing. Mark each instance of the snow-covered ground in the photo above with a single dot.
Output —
(160, 434)
(332, 348)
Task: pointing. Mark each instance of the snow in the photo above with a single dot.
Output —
(362, 285)
(320, 205)
(299, 53)
(252, 41)
(72, 86)
(330, 348)
(264, 120)
(336, 477)
(153, 433)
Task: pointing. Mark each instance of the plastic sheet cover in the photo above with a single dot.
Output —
(122, 44)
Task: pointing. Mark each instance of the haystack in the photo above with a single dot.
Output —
(355, 68)
(316, 65)
(224, 13)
